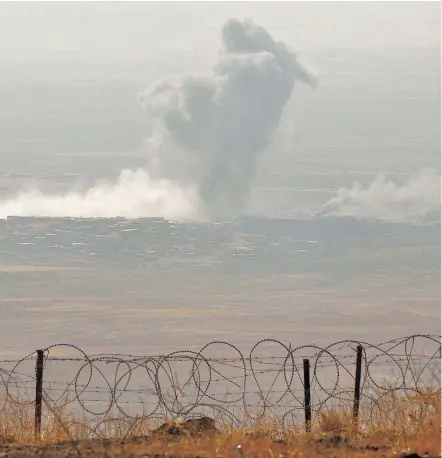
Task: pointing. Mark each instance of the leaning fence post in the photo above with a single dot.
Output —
(38, 390)
(357, 385)
(307, 398)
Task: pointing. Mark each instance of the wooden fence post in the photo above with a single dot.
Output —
(307, 397)
(38, 390)
(357, 385)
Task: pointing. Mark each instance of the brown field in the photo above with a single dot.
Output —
(8, 268)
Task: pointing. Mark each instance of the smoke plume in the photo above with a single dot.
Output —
(417, 200)
(221, 120)
(225, 119)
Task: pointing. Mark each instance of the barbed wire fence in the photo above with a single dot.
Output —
(290, 385)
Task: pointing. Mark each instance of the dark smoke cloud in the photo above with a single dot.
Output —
(226, 118)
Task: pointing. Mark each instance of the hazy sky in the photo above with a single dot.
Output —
(92, 29)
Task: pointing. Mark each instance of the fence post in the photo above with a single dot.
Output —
(357, 385)
(38, 390)
(307, 398)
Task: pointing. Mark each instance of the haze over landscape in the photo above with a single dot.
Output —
(228, 171)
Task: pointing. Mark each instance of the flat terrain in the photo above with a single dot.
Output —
(151, 286)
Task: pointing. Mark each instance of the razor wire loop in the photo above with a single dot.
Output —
(205, 376)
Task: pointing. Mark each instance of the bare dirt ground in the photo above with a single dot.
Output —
(236, 445)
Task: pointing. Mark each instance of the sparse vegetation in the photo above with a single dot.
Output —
(411, 425)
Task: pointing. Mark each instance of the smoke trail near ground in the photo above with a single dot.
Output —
(414, 201)
(135, 194)
(225, 119)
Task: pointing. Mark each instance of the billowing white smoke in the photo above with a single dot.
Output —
(417, 200)
(135, 194)
(223, 120)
